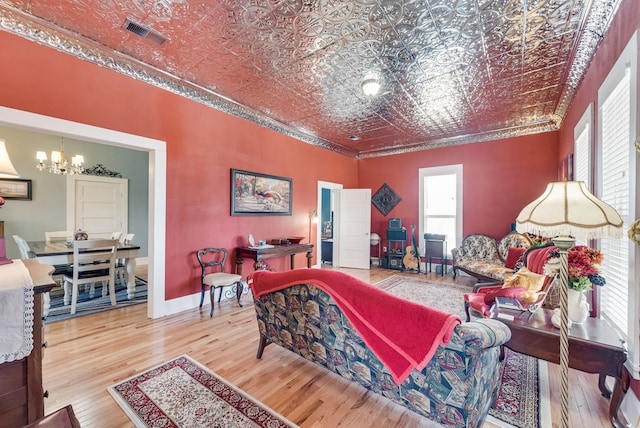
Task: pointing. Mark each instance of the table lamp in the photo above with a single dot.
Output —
(7, 170)
(566, 211)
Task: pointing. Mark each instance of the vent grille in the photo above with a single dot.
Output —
(144, 32)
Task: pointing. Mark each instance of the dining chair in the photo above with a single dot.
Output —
(25, 251)
(59, 235)
(213, 275)
(93, 261)
(121, 271)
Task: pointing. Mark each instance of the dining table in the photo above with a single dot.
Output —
(61, 252)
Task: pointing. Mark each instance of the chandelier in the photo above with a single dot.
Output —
(59, 163)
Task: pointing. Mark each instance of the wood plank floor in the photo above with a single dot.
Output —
(87, 354)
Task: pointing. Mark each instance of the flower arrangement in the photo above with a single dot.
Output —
(583, 266)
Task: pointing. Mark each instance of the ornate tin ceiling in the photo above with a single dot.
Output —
(452, 71)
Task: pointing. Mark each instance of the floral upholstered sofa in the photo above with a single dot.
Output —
(485, 258)
(448, 375)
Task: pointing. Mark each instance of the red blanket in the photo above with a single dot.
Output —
(402, 334)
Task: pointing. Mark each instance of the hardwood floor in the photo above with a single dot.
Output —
(87, 354)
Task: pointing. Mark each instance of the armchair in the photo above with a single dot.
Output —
(479, 302)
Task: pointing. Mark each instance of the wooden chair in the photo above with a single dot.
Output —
(93, 261)
(213, 275)
(60, 235)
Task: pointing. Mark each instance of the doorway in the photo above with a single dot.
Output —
(325, 207)
(157, 183)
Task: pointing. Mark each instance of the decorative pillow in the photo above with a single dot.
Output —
(526, 279)
(513, 255)
(510, 292)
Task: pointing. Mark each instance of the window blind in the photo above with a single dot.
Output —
(616, 118)
(581, 161)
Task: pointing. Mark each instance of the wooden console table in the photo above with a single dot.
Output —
(21, 392)
(258, 254)
(594, 347)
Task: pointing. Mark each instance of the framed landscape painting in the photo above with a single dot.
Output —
(15, 188)
(253, 193)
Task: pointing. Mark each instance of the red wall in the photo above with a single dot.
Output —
(203, 144)
(626, 21)
(500, 178)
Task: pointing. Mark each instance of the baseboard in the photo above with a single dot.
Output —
(192, 301)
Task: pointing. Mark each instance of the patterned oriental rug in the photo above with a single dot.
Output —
(523, 398)
(182, 393)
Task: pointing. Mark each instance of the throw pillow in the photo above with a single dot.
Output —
(526, 279)
(513, 255)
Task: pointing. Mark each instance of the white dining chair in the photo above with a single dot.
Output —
(121, 271)
(93, 261)
(59, 235)
(25, 251)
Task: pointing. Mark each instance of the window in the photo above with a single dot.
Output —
(583, 142)
(441, 203)
(582, 148)
(617, 115)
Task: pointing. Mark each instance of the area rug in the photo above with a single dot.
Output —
(183, 393)
(523, 396)
(86, 305)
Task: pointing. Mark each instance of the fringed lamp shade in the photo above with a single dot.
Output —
(567, 208)
(565, 211)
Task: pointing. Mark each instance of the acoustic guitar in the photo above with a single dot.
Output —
(411, 258)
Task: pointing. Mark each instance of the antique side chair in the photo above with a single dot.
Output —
(213, 275)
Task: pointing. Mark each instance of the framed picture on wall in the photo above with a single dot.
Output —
(15, 188)
(253, 193)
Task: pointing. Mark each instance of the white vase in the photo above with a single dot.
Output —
(578, 307)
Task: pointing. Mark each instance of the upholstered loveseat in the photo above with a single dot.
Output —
(485, 258)
(418, 357)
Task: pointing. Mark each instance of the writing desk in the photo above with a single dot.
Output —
(59, 253)
(258, 254)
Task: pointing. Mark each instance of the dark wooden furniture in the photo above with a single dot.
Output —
(327, 251)
(594, 347)
(435, 247)
(259, 254)
(62, 418)
(21, 392)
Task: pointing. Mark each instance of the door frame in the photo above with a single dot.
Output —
(318, 242)
(157, 150)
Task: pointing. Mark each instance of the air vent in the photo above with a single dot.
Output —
(144, 32)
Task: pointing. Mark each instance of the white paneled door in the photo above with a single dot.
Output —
(97, 205)
(352, 226)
